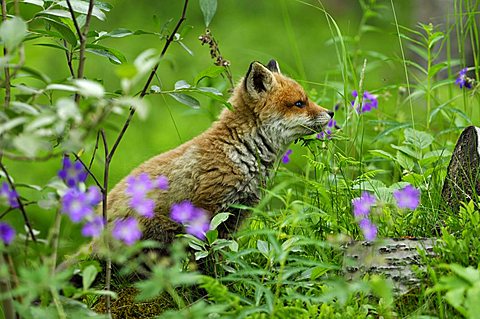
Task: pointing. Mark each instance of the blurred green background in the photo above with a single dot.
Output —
(295, 33)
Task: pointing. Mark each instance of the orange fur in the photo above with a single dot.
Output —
(227, 163)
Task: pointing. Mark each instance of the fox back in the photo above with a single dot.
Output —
(226, 164)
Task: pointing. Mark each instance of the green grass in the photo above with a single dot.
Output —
(287, 259)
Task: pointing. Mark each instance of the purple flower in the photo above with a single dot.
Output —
(7, 233)
(9, 195)
(76, 205)
(408, 197)
(328, 132)
(72, 173)
(138, 186)
(195, 219)
(462, 79)
(93, 228)
(362, 204)
(93, 196)
(183, 212)
(368, 228)
(143, 206)
(286, 156)
(199, 226)
(368, 103)
(127, 230)
(161, 183)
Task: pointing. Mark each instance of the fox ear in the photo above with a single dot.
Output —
(273, 66)
(259, 79)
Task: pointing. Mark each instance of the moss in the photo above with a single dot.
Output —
(126, 307)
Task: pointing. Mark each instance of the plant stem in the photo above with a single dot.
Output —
(6, 67)
(5, 289)
(19, 200)
(149, 80)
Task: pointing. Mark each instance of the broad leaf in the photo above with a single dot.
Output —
(208, 7)
(12, 32)
(186, 99)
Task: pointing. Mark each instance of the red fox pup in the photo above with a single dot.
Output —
(226, 164)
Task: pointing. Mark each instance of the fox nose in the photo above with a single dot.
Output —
(331, 113)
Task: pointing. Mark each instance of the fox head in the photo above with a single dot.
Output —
(279, 103)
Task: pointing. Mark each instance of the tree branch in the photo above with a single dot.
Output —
(20, 203)
(149, 80)
(5, 53)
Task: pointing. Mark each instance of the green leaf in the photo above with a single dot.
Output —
(140, 105)
(208, 7)
(116, 33)
(113, 55)
(418, 139)
(218, 219)
(82, 7)
(88, 276)
(64, 30)
(186, 99)
(21, 107)
(201, 254)
(89, 88)
(182, 84)
(35, 2)
(211, 72)
(7, 126)
(29, 144)
(211, 235)
(56, 13)
(382, 154)
(12, 32)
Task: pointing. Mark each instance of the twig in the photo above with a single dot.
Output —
(6, 289)
(108, 270)
(149, 80)
(88, 171)
(83, 39)
(54, 240)
(5, 53)
(20, 203)
(68, 55)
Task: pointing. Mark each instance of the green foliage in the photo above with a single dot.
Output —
(287, 260)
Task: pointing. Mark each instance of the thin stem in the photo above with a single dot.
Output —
(149, 80)
(88, 171)
(5, 289)
(43, 158)
(54, 240)
(83, 39)
(5, 53)
(108, 268)
(20, 203)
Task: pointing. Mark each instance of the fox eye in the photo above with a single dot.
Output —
(299, 104)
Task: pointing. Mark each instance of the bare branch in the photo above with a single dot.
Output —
(20, 203)
(5, 53)
(149, 81)
(88, 171)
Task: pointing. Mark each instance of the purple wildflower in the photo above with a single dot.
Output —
(199, 226)
(139, 186)
(408, 197)
(7, 233)
(183, 212)
(328, 132)
(143, 206)
(127, 230)
(76, 205)
(93, 228)
(462, 79)
(286, 156)
(9, 195)
(161, 183)
(368, 228)
(368, 103)
(93, 196)
(195, 219)
(72, 173)
(362, 204)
